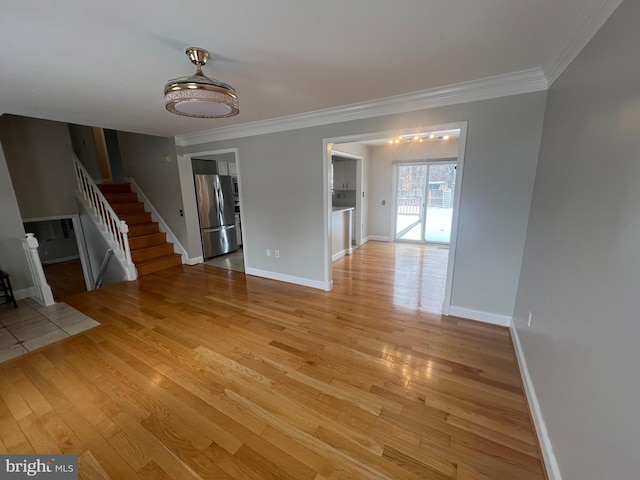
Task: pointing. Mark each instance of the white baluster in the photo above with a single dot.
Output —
(114, 230)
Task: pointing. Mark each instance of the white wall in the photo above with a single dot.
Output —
(282, 187)
(12, 258)
(39, 158)
(581, 268)
(159, 180)
(382, 172)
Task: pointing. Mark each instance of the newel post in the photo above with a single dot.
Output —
(124, 230)
(32, 243)
(40, 280)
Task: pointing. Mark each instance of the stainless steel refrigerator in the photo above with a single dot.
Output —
(214, 194)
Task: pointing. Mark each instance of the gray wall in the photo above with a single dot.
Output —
(581, 268)
(12, 258)
(39, 158)
(159, 180)
(282, 190)
(84, 146)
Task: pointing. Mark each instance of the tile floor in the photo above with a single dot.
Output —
(31, 326)
(231, 261)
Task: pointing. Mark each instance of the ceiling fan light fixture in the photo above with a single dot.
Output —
(200, 96)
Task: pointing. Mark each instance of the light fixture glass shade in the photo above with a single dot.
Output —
(198, 95)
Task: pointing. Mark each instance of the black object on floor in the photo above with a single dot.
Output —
(7, 291)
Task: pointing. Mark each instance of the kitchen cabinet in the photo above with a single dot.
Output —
(223, 168)
(227, 168)
(344, 174)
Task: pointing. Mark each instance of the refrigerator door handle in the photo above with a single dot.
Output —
(217, 229)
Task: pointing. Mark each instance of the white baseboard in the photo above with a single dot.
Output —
(194, 260)
(24, 293)
(289, 278)
(480, 316)
(378, 238)
(548, 456)
(338, 256)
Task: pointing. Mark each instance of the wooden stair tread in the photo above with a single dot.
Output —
(150, 266)
(127, 207)
(124, 197)
(150, 250)
(144, 241)
(145, 254)
(114, 187)
(135, 218)
(147, 228)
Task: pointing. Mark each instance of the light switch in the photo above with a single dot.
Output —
(384, 202)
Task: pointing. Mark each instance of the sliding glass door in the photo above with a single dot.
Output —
(424, 201)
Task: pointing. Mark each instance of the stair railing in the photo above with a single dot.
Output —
(103, 268)
(116, 230)
(41, 289)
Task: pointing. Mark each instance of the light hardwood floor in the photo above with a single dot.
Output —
(197, 372)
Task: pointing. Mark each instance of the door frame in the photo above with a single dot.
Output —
(83, 253)
(327, 151)
(357, 218)
(189, 202)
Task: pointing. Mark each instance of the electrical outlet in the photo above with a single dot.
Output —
(268, 252)
(181, 213)
(384, 202)
(277, 253)
(529, 320)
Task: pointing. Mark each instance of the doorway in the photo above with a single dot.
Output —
(434, 225)
(63, 254)
(218, 203)
(424, 201)
(222, 162)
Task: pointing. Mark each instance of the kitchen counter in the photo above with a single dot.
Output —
(341, 220)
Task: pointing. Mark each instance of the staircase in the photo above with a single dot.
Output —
(150, 250)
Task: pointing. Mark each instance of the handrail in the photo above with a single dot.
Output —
(103, 268)
(117, 230)
(42, 290)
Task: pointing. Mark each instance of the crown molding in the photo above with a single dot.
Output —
(525, 81)
(575, 40)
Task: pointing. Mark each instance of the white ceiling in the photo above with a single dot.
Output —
(106, 63)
